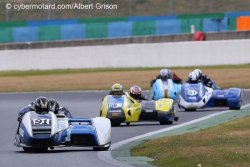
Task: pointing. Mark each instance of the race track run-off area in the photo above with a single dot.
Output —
(81, 104)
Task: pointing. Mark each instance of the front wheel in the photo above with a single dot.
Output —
(27, 149)
(190, 109)
(41, 150)
(102, 148)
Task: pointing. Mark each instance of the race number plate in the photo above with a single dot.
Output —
(115, 114)
(42, 121)
(192, 92)
(115, 105)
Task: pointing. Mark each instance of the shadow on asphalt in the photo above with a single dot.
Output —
(205, 109)
(143, 124)
(57, 151)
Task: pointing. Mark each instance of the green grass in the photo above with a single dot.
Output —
(226, 145)
(90, 70)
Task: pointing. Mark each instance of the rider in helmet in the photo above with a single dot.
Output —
(38, 105)
(198, 72)
(54, 107)
(204, 79)
(166, 74)
(117, 90)
(192, 77)
(136, 93)
(41, 105)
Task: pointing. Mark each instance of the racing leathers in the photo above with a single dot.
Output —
(206, 80)
(139, 97)
(176, 79)
(64, 111)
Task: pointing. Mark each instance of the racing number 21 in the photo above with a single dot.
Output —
(41, 121)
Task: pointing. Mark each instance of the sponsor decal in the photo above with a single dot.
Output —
(192, 92)
(115, 105)
(42, 121)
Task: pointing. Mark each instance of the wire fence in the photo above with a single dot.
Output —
(19, 10)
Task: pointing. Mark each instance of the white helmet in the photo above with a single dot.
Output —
(165, 72)
(198, 72)
(192, 76)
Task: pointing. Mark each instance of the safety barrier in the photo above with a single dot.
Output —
(215, 24)
(243, 23)
(69, 32)
(150, 55)
(97, 30)
(49, 33)
(144, 28)
(120, 29)
(68, 29)
(168, 27)
(22, 34)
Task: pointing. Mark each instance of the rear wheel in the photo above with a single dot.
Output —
(237, 108)
(115, 123)
(234, 108)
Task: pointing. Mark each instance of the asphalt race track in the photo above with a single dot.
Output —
(81, 104)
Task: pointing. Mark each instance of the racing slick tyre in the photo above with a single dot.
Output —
(102, 148)
(30, 149)
(234, 108)
(40, 150)
(27, 149)
(190, 109)
(166, 122)
(115, 123)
